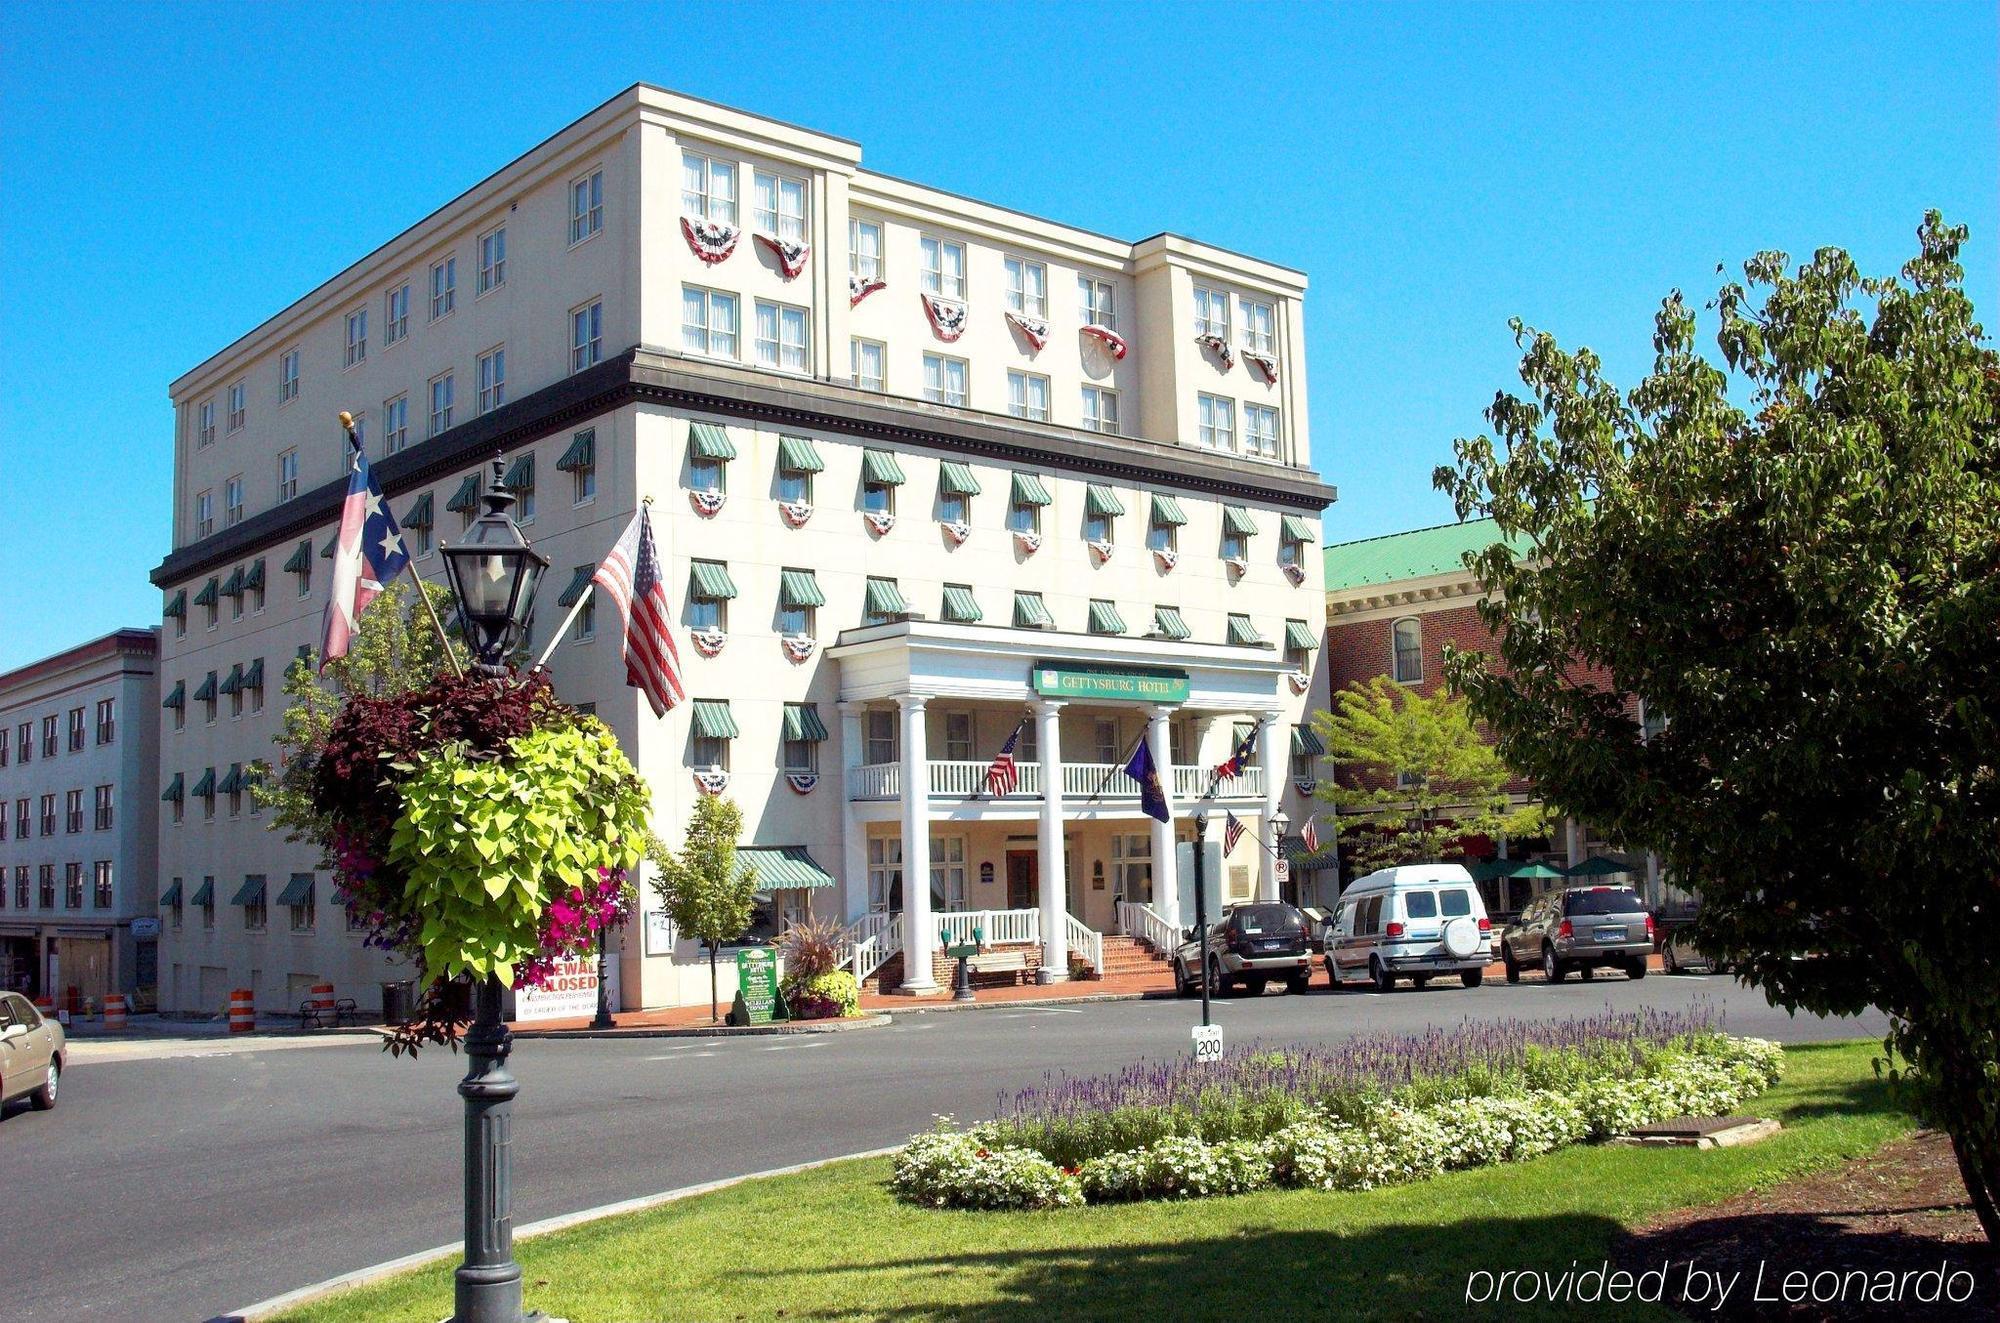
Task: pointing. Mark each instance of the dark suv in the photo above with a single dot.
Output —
(1252, 945)
(1582, 928)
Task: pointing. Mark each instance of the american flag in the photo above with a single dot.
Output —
(1232, 832)
(630, 575)
(1002, 776)
(1237, 761)
(1309, 834)
(368, 553)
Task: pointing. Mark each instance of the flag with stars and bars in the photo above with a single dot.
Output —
(631, 576)
(1002, 776)
(1232, 832)
(368, 553)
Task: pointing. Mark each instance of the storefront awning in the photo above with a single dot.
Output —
(782, 867)
(251, 892)
(298, 891)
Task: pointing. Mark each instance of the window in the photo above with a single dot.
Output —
(205, 898)
(1299, 644)
(395, 424)
(288, 376)
(101, 815)
(1031, 612)
(1104, 740)
(521, 482)
(444, 288)
(1306, 750)
(305, 907)
(21, 886)
(1096, 302)
(1027, 287)
(586, 335)
(205, 423)
(1028, 396)
(441, 393)
(709, 591)
(288, 475)
(867, 359)
(1293, 533)
(73, 886)
(783, 341)
(708, 188)
(1132, 865)
(864, 249)
(357, 338)
(586, 616)
(708, 322)
(50, 741)
(1024, 504)
(4, 734)
(798, 597)
(943, 267)
(586, 207)
(76, 729)
(1259, 327)
(1651, 723)
(26, 739)
(954, 502)
(45, 887)
(1160, 531)
(395, 314)
(882, 601)
(1235, 546)
(204, 512)
(1104, 617)
(492, 379)
(707, 473)
(1408, 645)
(1211, 313)
(885, 873)
(100, 884)
(1216, 425)
(1100, 409)
(944, 380)
(881, 738)
(238, 396)
(948, 873)
(713, 728)
(492, 260)
(958, 737)
(780, 207)
(232, 502)
(22, 819)
(207, 693)
(803, 731)
(1260, 430)
(256, 907)
(73, 811)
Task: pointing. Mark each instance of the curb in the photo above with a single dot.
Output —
(922, 1007)
(365, 1276)
(715, 1030)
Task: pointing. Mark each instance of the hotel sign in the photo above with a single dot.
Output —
(1141, 686)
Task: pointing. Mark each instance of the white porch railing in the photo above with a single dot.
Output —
(1081, 937)
(1142, 922)
(997, 927)
(1105, 781)
(869, 942)
(1191, 783)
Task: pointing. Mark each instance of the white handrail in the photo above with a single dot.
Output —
(997, 927)
(1143, 922)
(870, 942)
(957, 779)
(1083, 938)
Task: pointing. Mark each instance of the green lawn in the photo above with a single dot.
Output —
(832, 1244)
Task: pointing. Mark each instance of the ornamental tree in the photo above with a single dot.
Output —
(706, 893)
(1415, 775)
(1791, 553)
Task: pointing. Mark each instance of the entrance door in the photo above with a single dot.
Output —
(1024, 890)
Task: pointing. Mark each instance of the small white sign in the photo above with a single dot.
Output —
(1208, 1042)
(143, 928)
(1283, 869)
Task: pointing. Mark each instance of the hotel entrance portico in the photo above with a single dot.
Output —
(1067, 855)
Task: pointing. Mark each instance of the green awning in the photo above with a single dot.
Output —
(1599, 866)
(176, 606)
(960, 606)
(955, 479)
(254, 578)
(520, 474)
(1028, 490)
(1295, 529)
(233, 585)
(1242, 631)
(206, 597)
(712, 720)
(884, 598)
(710, 579)
(234, 681)
(175, 789)
(1167, 623)
(710, 441)
(177, 696)
(297, 891)
(1485, 870)
(1104, 619)
(254, 677)
(301, 558)
(205, 893)
(252, 890)
(171, 896)
(1030, 612)
(802, 722)
(466, 499)
(205, 691)
(880, 466)
(1167, 510)
(232, 780)
(1101, 500)
(1306, 740)
(582, 452)
(799, 588)
(782, 867)
(1236, 519)
(578, 581)
(1298, 634)
(797, 454)
(205, 788)
(253, 775)
(332, 545)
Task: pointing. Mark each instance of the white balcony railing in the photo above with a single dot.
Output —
(996, 927)
(1104, 781)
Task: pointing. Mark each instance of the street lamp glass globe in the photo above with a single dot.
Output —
(494, 573)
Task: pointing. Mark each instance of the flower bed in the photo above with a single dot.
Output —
(1372, 1111)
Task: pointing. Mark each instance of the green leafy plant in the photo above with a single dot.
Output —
(704, 890)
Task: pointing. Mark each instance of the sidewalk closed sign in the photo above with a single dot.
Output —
(757, 980)
(1208, 1042)
(570, 993)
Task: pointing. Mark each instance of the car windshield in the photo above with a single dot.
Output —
(1603, 900)
(1456, 903)
(1420, 904)
(1255, 919)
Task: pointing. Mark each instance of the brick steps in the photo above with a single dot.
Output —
(1123, 956)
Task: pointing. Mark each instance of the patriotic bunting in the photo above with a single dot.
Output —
(712, 782)
(711, 240)
(957, 531)
(708, 642)
(802, 782)
(859, 289)
(947, 317)
(1296, 573)
(1218, 346)
(879, 521)
(1102, 550)
(1113, 342)
(1027, 541)
(1299, 681)
(798, 647)
(706, 504)
(1238, 565)
(1033, 329)
(1305, 785)
(791, 256)
(1167, 557)
(1267, 366)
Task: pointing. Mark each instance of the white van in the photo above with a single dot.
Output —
(1415, 921)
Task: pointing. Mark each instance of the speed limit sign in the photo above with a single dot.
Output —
(1208, 1042)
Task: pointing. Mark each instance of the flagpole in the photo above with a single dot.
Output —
(562, 630)
(409, 562)
(1116, 768)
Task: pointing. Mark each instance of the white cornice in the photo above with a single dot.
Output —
(1429, 593)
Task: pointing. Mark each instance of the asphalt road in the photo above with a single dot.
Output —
(181, 1187)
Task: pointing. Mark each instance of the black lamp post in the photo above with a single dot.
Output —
(494, 573)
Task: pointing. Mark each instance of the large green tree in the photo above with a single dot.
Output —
(707, 894)
(1792, 555)
(1414, 775)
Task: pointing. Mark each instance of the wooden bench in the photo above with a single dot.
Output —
(314, 1016)
(1013, 961)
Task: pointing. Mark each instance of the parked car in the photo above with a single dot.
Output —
(1679, 955)
(1252, 945)
(1582, 928)
(1416, 921)
(32, 1052)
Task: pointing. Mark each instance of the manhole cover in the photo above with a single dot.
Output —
(1690, 1127)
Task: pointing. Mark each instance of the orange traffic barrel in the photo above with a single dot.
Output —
(242, 1011)
(114, 1010)
(322, 998)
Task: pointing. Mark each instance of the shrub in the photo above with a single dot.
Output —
(1482, 1131)
(809, 950)
(943, 1168)
(824, 996)
(1181, 1167)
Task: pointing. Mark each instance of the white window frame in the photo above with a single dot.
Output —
(586, 335)
(705, 202)
(232, 502)
(1215, 426)
(948, 872)
(1027, 286)
(943, 263)
(441, 408)
(288, 377)
(885, 869)
(1260, 325)
(859, 349)
(1100, 409)
(239, 406)
(776, 219)
(788, 348)
(947, 367)
(492, 250)
(1396, 651)
(395, 314)
(204, 512)
(1211, 312)
(586, 207)
(204, 424)
(492, 379)
(1096, 302)
(705, 330)
(288, 474)
(1258, 439)
(860, 264)
(396, 423)
(444, 287)
(357, 339)
(1028, 395)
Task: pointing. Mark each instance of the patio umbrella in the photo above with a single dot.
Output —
(1537, 870)
(1599, 866)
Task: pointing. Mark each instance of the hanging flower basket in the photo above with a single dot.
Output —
(711, 782)
(711, 240)
(791, 256)
(1029, 543)
(859, 289)
(1033, 329)
(1265, 366)
(796, 512)
(707, 504)
(947, 316)
(1114, 343)
(1218, 346)
(1167, 557)
(879, 522)
(957, 531)
(708, 642)
(798, 647)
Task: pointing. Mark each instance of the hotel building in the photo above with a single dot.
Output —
(922, 469)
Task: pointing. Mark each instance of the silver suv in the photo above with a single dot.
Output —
(1583, 928)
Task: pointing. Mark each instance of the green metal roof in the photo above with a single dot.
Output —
(799, 588)
(298, 890)
(880, 466)
(797, 454)
(1168, 623)
(1417, 554)
(802, 723)
(712, 720)
(710, 441)
(782, 867)
(955, 479)
(710, 579)
(960, 606)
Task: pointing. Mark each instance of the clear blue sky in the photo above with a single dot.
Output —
(172, 175)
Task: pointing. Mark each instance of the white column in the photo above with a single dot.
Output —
(1166, 889)
(1573, 841)
(853, 831)
(919, 930)
(1276, 745)
(1053, 876)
